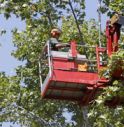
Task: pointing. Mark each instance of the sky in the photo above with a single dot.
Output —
(7, 62)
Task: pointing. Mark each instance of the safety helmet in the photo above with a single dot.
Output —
(57, 30)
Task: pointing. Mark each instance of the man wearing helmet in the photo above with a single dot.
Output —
(54, 40)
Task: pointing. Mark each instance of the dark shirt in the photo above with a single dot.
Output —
(53, 42)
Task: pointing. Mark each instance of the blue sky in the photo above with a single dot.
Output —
(7, 62)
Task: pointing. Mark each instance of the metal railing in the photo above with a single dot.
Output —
(45, 64)
(91, 55)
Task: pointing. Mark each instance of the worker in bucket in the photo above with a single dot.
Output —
(54, 40)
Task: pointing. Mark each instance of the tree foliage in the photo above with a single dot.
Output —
(103, 113)
(114, 5)
(40, 17)
(20, 94)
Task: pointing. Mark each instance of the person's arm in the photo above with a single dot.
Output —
(62, 45)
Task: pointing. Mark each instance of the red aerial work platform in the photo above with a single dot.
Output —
(72, 76)
(66, 81)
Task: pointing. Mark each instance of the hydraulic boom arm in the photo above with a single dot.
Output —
(113, 33)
